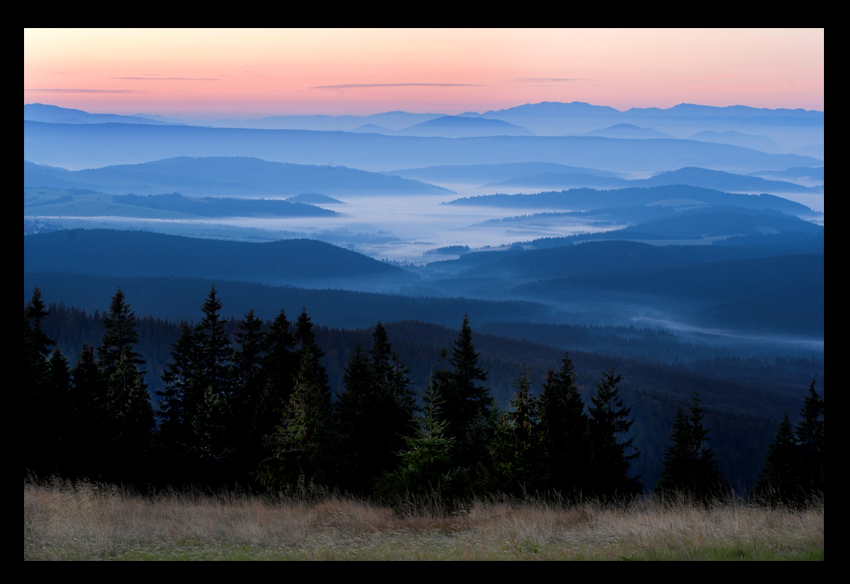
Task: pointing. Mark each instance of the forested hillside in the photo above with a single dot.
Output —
(507, 378)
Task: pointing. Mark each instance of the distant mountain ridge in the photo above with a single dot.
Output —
(39, 112)
(233, 176)
(78, 146)
(104, 252)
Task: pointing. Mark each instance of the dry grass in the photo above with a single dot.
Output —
(88, 521)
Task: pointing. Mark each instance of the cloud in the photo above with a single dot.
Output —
(65, 90)
(167, 78)
(550, 79)
(371, 85)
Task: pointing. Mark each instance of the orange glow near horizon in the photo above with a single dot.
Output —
(259, 72)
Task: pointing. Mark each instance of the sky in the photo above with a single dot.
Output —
(253, 73)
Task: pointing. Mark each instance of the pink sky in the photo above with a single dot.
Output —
(253, 73)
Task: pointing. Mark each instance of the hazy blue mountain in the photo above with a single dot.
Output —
(811, 150)
(722, 181)
(233, 176)
(627, 131)
(224, 207)
(373, 129)
(96, 145)
(136, 253)
(674, 195)
(314, 199)
(798, 173)
(563, 180)
(779, 294)
(791, 128)
(488, 173)
(178, 298)
(39, 112)
(698, 177)
(390, 121)
(755, 142)
(460, 126)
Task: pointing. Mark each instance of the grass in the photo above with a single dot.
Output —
(90, 521)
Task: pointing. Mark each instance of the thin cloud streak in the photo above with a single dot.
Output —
(167, 78)
(63, 90)
(371, 85)
(550, 79)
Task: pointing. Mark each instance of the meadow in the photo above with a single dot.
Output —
(93, 521)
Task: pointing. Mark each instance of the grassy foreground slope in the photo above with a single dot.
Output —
(96, 522)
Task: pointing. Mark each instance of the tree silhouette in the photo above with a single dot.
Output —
(610, 459)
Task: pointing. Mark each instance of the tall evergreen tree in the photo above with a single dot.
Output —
(280, 365)
(516, 448)
(779, 480)
(690, 464)
(426, 463)
(564, 432)
(91, 424)
(128, 404)
(810, 442)
(36, 405)
(119, 334)
(610, 459)
(180, 404)
(215, 378)
(57, 412)
(301, 446)
(249, 393)
(467, 404)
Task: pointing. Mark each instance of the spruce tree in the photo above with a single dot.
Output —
(810, 443)
(215, 378)
(516, 446)
(279, 364)
(37, 348)
(779, 479)
(426, 463)
(119, 335)
(91, 424)
(249, 393)
(610, 458)
(563, 432)
(180, 404)
(467, 404)
(691, 467)
(128, 406)
(301, 446)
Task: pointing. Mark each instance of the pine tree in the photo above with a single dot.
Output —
(467, 404)
(810, 443)
(37, 416)
(516, 447)
(215, 380)
(564, 432)
(128, 406)
(89, 394)
(249, 393)
(301, 446)
(180, 402)
(691, 467)
(610, 459)
(57, 410)
(779, 480)
(426, 463)
(119, 335)
(280, 365)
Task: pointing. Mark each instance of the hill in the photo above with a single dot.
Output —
(136, 253)
(77, 146)
(224, 176)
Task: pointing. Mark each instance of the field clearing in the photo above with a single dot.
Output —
(90, 521)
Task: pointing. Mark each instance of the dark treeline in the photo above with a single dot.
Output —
(250, 402)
